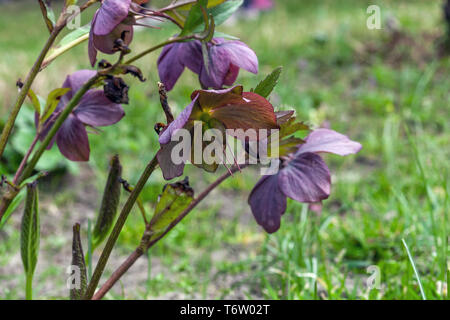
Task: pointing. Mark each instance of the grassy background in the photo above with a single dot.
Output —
(387, 91)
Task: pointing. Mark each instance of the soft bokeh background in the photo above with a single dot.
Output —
(388, 89)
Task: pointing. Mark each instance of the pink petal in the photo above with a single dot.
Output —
(325, 140)
(72, 140)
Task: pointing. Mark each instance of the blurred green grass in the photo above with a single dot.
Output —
(396, 188)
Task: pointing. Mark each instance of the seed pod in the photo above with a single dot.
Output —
(110, 203)
(79, 285)
(30, 236)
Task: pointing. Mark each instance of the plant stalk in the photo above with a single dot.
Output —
(123, 268)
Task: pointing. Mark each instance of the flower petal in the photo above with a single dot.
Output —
(325, 140)
(268, 203)
(92, 52)
(231, 76)
(252, 112)
(110, 14)
(96, 110)
(75, 81)
(170, 67)
(107, 43)
(166, 136)
(306, 178)
(239, 54)
(168, 168)
(72, 140)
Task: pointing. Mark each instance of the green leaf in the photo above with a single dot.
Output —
(175, 198)
(80, 285)
(223, 11)
(52, 102)
(30, 235)
(34, 101)
(265, 87)
(194, 18)
(12, 207)
(218, 34)
(110, 203)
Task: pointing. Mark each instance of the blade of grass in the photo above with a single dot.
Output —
(415, 269)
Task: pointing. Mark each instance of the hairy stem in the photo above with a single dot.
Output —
(126, 265)
(118, 228)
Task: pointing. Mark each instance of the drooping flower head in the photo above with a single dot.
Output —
(111, 23)
(303, 176)
(225, 58)
(94, 110)
(220, 109)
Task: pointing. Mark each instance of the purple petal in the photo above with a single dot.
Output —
(170, 67)
(106, 43)
(219, 65)
(92, 52)
(168, 168)
(240, 55)
(178, 123)
(231, 76)
(191, 55)
(268, 203)
(306, 178)
(75, 81)
(325, 140)
(72, 140)
(96, 110)
(110, 14)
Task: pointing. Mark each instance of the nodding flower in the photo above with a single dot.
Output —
(94, 110)
(112, 26)
(303, 176)
(225, 59)
(216, 109)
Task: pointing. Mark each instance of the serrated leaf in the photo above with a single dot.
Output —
(175, 198)
(79, 288)
(223, 11)
(34, 101)
(12, 207)
(29, 233)
(265, 87)
(292, 126)
(110, 203)
(52, 102)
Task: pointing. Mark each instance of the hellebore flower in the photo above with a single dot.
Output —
(221, 109)
(225, 59)
(303, 177)
(111, 22)
(94, 110)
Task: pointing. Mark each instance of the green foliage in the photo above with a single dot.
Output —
(266, 86)
(12, 207)
(175, 198)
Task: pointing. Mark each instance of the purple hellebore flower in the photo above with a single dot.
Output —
(225, 59)
(94, 109)
(111, 22)
(222, 109)
(303, 177)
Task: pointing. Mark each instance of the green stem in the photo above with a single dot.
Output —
(143, 53)
(58, 123)
(123, 268)
(29, 287)
(28, 170)
(118, 228)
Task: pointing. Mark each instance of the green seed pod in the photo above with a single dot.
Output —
(30, 236)
(79, 283)
(110, 203)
